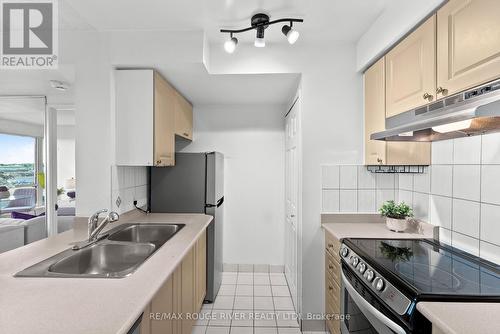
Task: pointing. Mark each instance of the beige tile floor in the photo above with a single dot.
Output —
(250, 303)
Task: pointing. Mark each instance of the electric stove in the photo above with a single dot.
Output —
(384, 279)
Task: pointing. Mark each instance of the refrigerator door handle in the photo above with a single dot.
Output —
(219, 203)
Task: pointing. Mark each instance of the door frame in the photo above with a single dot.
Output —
(296, 101)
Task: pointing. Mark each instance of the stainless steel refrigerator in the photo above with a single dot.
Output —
(195, 185)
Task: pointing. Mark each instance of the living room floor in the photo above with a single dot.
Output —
(250, 303)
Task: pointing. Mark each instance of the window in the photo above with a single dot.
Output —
(18, 170)
(17, 161)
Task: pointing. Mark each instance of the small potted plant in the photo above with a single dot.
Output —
(396, 215)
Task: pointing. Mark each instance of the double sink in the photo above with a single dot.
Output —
(117, 254)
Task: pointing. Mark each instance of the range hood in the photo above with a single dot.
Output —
(473, 112)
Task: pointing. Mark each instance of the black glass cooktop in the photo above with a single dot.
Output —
(431, 268)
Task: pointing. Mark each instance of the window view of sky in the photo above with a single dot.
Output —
(16, 149)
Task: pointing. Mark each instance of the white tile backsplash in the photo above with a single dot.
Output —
(491, 149)
(348, 177)
(441, 211)
(406, 181)
(422, 182)
(366, 179)
(367, 200)
(421, 206)
(348, 200)
(490, 184)
(466, 216)
(459, 192)
(128, 183)
(386, 181)
(467, 151)
(442, 152)
(331, 200)
(384, 195)
(442, 180)
(489, 252)
(490, 223)
(467, 182)
(330, 177)
(465, 243)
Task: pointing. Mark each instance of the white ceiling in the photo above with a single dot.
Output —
(202, 88)
(31, 111)
(325, 20)
(36, 82)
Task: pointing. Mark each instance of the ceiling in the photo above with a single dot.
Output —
(202, 88)
(37, 82)
(325, 20)
(31, 111)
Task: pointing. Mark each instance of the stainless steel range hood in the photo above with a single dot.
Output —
(473, 112)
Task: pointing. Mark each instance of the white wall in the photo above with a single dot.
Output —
(251, 137)
(331, 129)
(394, 22)
(65, 154)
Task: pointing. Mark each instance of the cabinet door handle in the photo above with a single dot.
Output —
(330, 288)
(441, 90)
(379, 160)
(330, 266)
(186, 134)
(330, 245)
(158, 162)
(427, 97)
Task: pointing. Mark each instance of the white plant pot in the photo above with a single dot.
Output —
(396, 225)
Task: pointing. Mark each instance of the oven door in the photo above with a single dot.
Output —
(362, 310)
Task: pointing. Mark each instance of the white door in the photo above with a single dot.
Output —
(292, 191)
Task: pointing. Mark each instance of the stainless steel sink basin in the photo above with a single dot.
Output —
(118, 255)
(156, 234)
(108, 259)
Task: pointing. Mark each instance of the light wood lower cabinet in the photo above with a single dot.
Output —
(333, 278)
(181, 295)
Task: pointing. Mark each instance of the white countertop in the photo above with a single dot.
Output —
(449, 317)
(462, 318)
(371, 230)
(87, 305)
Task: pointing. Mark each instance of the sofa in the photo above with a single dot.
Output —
(17, 232)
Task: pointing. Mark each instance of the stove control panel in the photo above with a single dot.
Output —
(394, 298)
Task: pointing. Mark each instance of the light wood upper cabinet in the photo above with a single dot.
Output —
(468, 44)
(379, 152)
(164, 140)
(375, 150)
(411, 70)
(183, 117)
(149, 114)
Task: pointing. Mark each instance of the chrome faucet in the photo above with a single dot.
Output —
(95, 229)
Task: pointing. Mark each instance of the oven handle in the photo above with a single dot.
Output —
(361, 302)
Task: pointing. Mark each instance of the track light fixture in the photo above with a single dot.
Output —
(260, 22)
(230, 44)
